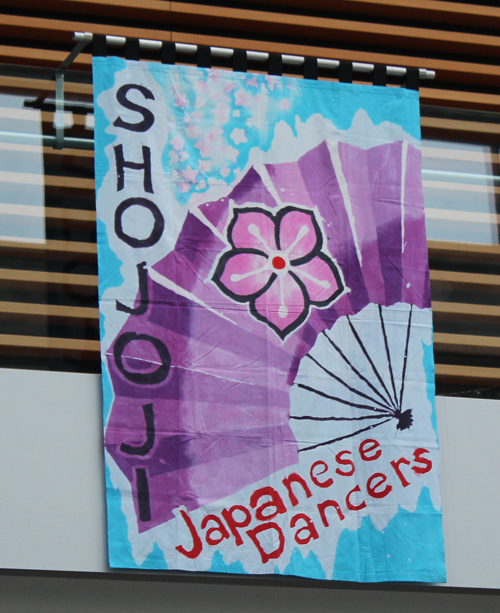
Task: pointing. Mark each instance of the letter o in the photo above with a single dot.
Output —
(149, 378)
(156, 232)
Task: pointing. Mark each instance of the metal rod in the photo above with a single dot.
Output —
(59, 76)
(256, 56)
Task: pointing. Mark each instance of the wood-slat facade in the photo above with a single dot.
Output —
(48, 291)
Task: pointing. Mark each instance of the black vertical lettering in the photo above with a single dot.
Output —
(156, 232)
(142, 486)
(142, 450)
(142, 378)
(148, 117)
(143, 291)
(121, 164)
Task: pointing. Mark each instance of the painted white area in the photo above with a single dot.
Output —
(470, 489)
(52, 510)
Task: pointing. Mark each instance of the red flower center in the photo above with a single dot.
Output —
(278, 262)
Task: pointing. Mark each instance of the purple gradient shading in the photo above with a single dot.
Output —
(227, 392)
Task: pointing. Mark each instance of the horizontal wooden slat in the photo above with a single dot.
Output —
(25, 311)
(475, 131)
(467, 375)
(49, 344)
(422, 10)
(452, 311)
(56, 248)
(339, 29)
(264, 22)
(463, 251)
(27, 277)
(37, 86)
(469, 281)
(465, 343)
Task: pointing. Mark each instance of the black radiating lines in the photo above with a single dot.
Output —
(354, 370)
(342, 401)
(388, 406)
(340, 438)
(342, 382)
(387, 352)
(405, 359)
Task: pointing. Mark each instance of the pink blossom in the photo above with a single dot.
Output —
(201, 185)
(284, 104)
(224, 171)
(236, 113)
(193, 131)
(177, 143)
(180, 100)
(242, 98)
(190, 174)
(184, 186)
(229, 86)
(183, 156)
(173, 157)
(222, 112)
(197, 115)
(252, 82)
(273, 81)
(210, 140)
(276, 265)
(204, 166)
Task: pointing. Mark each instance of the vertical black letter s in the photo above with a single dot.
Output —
(147, 122)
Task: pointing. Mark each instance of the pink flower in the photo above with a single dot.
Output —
(284, 104)
(177, 143)
(180, 100)
(190, 174)
(183, 156)
(252, 82)
(273, 81)
(222, 112)
(204, 166)
(184, 186)
(276, 265)
(242, 98)
(173, 157)
(224, 171)
(193, 131)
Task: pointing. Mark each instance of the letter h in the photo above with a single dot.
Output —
(121, 164)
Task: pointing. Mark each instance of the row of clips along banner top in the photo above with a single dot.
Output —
(204, 59)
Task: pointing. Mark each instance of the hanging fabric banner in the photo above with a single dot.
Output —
(266, 326)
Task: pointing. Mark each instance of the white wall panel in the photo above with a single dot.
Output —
(52, 511)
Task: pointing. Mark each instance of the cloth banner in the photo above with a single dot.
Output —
(266, 326)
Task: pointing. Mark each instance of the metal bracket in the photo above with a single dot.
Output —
(59, 77)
